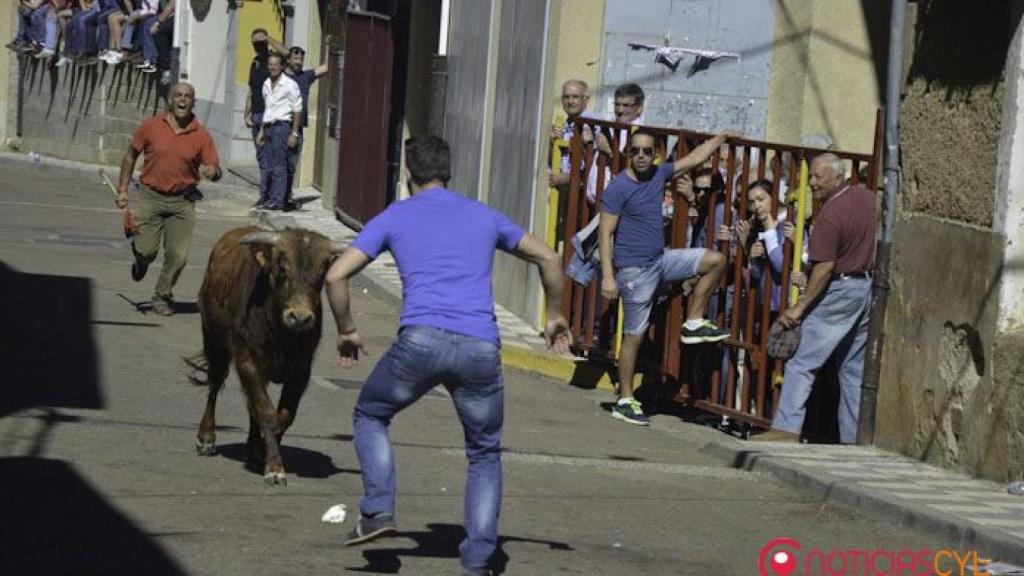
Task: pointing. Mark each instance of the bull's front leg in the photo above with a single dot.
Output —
(262, 411)
(288, 405)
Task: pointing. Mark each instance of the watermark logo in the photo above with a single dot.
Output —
(778, 557)
(787, 557)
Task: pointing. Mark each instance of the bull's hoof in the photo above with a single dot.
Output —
(275, 479)
(206, 448)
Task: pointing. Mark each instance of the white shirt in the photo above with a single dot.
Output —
(281, 100)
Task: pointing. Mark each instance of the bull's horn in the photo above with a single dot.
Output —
(266, 238)
(337, 247)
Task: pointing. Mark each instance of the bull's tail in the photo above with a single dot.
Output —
(200, 367)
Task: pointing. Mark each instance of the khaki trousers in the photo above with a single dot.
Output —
(167, 219)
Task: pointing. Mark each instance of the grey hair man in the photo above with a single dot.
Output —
(835, 306)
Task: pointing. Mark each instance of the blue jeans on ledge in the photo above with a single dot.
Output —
(470, 368)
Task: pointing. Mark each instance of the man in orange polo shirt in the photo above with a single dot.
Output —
(178, 151)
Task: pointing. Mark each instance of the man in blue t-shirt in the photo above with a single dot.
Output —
(305, 79)
(444, 247)
(638, 262)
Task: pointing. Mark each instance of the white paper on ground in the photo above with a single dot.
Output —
(335, 514)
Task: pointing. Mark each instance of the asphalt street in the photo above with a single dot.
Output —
(97, 427)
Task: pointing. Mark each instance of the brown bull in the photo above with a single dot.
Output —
(260, 305)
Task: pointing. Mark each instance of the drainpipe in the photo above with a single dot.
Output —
(880, 295)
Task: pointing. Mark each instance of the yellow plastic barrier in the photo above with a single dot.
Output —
(798, 241)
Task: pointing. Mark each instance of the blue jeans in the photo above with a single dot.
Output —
(274, 165)
(837, 323)
(82, 31)
(470, 368)
(52, 31)
(103, 28)
(31, 25)
(294, 156)
(638, 283)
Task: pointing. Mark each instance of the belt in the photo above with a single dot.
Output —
(846, 275)
(276, 122)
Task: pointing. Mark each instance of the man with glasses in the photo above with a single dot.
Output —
(629, 109)
(636, 262)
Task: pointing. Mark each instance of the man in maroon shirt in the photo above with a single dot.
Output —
(834, 308)
(178, 151)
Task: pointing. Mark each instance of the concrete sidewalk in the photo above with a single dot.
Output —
(970, 513)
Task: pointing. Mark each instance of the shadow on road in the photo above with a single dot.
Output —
(297, 461)
(47, 351)
(439, 541)
(54, 522)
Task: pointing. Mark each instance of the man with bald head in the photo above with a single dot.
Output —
(835, 306)
(178, 152)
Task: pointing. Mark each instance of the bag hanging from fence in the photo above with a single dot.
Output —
(782, 342)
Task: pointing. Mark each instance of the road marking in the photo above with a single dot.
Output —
(720, 472)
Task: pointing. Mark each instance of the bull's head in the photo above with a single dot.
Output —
(294, 263)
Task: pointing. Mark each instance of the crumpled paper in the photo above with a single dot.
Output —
(334, 515)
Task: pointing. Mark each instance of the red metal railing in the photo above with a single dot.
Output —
(750, 390)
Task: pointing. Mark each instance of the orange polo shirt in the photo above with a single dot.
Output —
(172, 160)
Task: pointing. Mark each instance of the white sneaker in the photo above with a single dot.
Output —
(144, 64)
(114, 57)
(45, 53)
(64, 61)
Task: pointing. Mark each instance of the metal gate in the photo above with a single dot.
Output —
(749, 391)
(361, 191)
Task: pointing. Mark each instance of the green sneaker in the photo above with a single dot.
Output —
(707, 332)
(631, 412)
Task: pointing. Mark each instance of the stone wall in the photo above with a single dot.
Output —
(83, 113)
(949, 391)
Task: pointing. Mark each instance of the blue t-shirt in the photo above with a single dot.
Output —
(640, 236)
(444, 246)
(304, 79)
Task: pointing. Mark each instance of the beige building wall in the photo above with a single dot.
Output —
(824, 77)
(313, 50)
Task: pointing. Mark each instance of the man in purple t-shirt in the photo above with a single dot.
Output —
(638, 262)
(444, 246)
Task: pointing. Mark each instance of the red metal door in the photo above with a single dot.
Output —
(366, 100)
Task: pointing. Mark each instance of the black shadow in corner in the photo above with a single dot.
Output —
(47, 350)
(54, 522)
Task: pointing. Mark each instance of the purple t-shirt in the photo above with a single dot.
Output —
(444, 246)
(640, 236)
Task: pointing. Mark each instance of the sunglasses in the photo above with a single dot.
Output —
(646, 150)
(704, 189)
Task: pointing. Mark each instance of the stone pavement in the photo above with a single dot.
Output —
(973, 514)
(976, 514)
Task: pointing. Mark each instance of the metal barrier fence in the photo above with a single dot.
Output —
(749, 388)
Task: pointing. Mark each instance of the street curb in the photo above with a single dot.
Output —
(963, 536)
(562, 368)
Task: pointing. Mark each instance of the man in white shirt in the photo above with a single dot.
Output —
(282, 120)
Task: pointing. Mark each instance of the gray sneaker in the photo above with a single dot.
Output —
(368, 529)
(631, 412)
(162, 307)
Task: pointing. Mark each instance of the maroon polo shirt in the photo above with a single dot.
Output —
(172, 159)
(844, 231)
